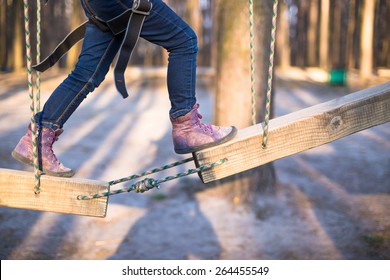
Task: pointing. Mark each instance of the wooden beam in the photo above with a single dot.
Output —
(298, 131)
(57, 194)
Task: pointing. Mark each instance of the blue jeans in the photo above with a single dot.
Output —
(162, 27)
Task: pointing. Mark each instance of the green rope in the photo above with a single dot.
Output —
(150, 183)
(270, 74)
(37, 172)
(252, 61)
(155, 170)
(270, 69)
(38, 60)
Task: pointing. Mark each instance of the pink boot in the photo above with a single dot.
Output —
(23, 152)
(191, 135)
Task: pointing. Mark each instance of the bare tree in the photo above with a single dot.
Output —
(382, 34)
(312, 39)
(302, 32)
(350, 48)
(283, 37)
(18, 37)
(367, 39)
(324, 34)
(3, 32)
(55, 26)
(76, 19)
(233, 94)
(193, 15)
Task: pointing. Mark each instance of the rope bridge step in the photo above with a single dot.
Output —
(298, 131)
(56, 195)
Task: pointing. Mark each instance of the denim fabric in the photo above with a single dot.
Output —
(162, 27)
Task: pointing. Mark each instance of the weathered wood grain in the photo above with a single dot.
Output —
(57, 194)
(298, 131)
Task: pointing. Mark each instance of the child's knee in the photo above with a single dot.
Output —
(89, 77)
(187, 43)
(193, 42)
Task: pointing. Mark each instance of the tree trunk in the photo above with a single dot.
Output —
(76, 19)
(339, 31)
(324, 35)
(302, 30)
(313, 34)
(386, 42)
(283, 50)
(56, 21)
(193, 15)
(335, 35)
(18, 39)
(233, 94)
(343, 33)
(382, 34)
(351, 61)
(367, 39)
(3, 29)
(5, 48)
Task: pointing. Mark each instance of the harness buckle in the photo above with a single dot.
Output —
(99, 23)
(142, 7)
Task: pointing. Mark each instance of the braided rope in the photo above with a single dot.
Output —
(155, 170)
(150, 183)
(34, 129)
(270, 74)
(252, 61)
(38, 60)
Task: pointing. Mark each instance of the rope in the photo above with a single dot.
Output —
(129, 178)
(37, 173)
(270, 69)
(270, 74)
(150, 183)
(252, 61)
(38, 60)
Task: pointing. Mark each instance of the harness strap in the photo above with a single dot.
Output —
(118, 24)
(131, 20)
(70, 40)
(139, 11)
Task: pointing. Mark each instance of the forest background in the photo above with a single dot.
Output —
(331, 202)
(330, 34)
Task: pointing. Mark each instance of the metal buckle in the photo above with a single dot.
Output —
(136, 6)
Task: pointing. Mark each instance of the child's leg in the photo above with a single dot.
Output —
(163, 27)
(98, 51)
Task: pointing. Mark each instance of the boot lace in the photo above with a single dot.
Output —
(206, 127)
(49, 146)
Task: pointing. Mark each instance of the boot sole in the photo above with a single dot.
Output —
(27, 161)
(205, 146)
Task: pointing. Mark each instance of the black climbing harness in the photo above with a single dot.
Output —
(130, 21)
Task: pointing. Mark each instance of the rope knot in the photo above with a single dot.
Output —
(145, 185)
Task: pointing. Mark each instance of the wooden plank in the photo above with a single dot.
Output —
(298, 131)
(57, 194)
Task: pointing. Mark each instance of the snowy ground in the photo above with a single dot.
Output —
(331, 202)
